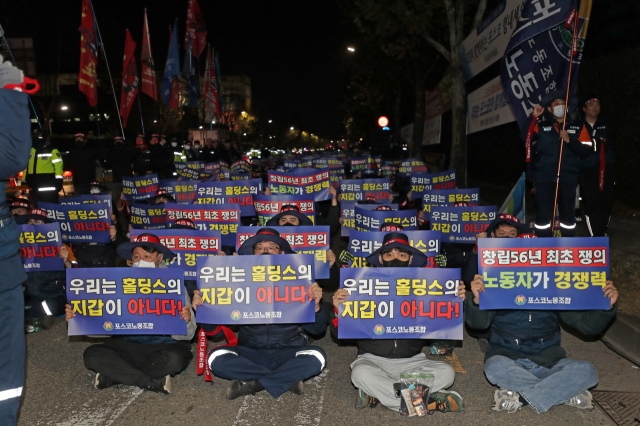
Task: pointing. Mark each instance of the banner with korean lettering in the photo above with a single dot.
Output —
(145, 216)
(87, 199)
(488, 107)
(312, 240)
(358, 164)
(188, 245)
(536, 61)
(363, 243)
(448, 197)
(183, 192)
(544, 273)
(219, 217)
(400, 303)
(266, 289)
(86, 223)
(336, 175)
(40, 247)
(349, 214)
(361, 189)
(238, 192)
(240, 166)
(117, 301)
(267, 206)
(411, 166)
(371, 220)
(191, 174)
(421, 182)
(461, 224)
(140, 187)
(301, 182)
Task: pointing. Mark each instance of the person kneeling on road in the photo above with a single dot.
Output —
(525, 359)
(381, 361)
(145, 361)
(275, 357)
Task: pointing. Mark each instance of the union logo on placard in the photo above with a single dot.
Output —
(378, 329)
(108, 326)
(520, 300)
(452, 238)
(235, 315)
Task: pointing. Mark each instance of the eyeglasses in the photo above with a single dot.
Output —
(273, 249)
(395, 253)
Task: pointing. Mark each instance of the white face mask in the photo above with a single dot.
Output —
(187, 147)
(174, 144)
(558, 111)
(144, 264)
(196, 146)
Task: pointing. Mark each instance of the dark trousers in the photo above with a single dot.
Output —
(134, 364)
(275, 369)
(544, 195)
(11, 353)
(597, 204)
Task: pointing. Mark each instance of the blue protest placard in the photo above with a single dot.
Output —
(421, 182)
(40, 247)
(140, 187)
(184, 192)
(86, 223)
(238, 192)
(301, 182)
(461, 224)
(544, 273)
(448, 197)
(219, 217)
(266, 289)
(240, 166)
(87, 199)
(312, 240)
(236, 176)
(349, 214)
(400, 303)
(188, 245)
(358, 164)
(191, 174)
(363, 243)
(371, 220)
(363, 189)
(145, 216)
(412, 165)
(267, 206)
(126, 301)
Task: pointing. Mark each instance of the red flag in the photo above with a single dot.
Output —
(196, 28)
(149, 86)
(209, 91)
(88, 56)
(174, 101)
(130, 80)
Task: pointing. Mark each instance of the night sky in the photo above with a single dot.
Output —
(289, 48)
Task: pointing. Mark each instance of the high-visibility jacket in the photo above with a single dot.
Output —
(179, 157)
(43, 161)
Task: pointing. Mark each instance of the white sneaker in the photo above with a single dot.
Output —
(581, 400)
(506, 400)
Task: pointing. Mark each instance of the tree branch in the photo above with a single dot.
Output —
(436, 45)
(482, 6)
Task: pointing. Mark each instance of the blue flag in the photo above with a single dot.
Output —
(515, 202)
(189, 71)
(172, 67)
(536, 61)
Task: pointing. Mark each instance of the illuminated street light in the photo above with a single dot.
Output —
(351, 49)
(291, 128)
(200, 127)
(155, 121)
(64, 107)
(213, 122)
(243, 113)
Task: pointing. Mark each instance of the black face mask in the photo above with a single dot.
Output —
(79, 144)
(504, 236)
(288, 224)
(395, 263)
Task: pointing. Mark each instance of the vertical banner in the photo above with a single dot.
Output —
(301, 182)
(267, 206)
(312, 240)
(130, 79)
(40, 247)
(188, 245)
(544, 273)
(362, 244)
(145, 216)
(87, 76)
(400, 303)
(149, 85)
(220, 217)
(488, 107)
(267, 289)
(119, 301)
(432, 131)
(140, 187)
(363, 189)
(238, 192)
(89, 223)
(461, 224)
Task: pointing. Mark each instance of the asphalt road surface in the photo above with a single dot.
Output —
(59, 391)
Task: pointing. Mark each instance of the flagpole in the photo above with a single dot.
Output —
(97, 120)
(106, 61)
(574, 49)
(140, 109)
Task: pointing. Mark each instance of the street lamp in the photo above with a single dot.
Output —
(351, 49)
(291, 128)
(270, 121)
(64, 107)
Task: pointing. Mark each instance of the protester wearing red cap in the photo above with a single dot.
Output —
(143, 158)
(381, 361)
(162, 197)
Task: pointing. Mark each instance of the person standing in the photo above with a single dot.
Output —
(14, 156)
(82, 162)
(597, 169)
(44, 171)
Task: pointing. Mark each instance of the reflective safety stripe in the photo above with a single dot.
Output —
(47, 188)
(313, 353)
(589, 225)
(219, 352)
(543, 226)
(59, 177)
(567, 226)
(57, 160)
(11, 393)
(44, 155)
(178, 153)
(46, 308)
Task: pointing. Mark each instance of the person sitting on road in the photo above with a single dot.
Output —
(381, 361)
(525, 359)
(271, 357)
(145, 361)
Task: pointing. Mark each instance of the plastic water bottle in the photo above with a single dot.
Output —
(33, 325)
